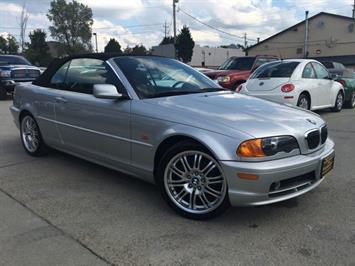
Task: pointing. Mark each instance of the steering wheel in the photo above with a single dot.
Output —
(178, 83)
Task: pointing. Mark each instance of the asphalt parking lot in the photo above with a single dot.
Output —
(60, 210)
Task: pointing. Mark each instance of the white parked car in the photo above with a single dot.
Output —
(302, 82)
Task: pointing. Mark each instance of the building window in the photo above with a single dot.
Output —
(299, 51)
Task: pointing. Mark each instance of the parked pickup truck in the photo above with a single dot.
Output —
(15, 69)
(346, 77)
(236, 70)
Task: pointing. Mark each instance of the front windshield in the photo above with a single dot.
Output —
(238, 63)
(157, 77)
(13, 60)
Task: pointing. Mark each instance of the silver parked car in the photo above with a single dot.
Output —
(162, 121)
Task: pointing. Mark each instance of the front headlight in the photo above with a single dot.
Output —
(5, 73)
(224, 79)
(264, 147)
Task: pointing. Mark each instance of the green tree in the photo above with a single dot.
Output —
(3, 45)
(37, 49)
(113, 46)
(167, 40)
(185, 45)
(136, 50)
(71, 25)
(8, 45)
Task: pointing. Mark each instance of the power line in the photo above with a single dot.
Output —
(213, 27)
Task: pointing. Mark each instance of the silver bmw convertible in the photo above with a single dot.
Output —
(162, 121)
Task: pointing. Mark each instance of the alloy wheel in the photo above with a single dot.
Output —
(194, 182)
(30, 134)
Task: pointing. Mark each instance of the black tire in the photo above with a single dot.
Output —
(339, 102)
(304, 101)
(3, 93)
(351, 102)
(40, 148)
(161, 176)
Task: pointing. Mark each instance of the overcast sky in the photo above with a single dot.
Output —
(141, 21)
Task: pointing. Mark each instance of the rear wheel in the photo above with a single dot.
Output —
(304, 101)
(31, 137)
(351, 102)
(3, 93)
(192, 181)
(339, 101)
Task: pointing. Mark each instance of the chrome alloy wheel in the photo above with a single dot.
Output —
(194, 182)
(30, 134)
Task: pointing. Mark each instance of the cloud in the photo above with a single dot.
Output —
(141, 21)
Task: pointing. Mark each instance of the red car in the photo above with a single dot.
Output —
(236, 70)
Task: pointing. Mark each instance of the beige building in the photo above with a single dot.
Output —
(331, 38)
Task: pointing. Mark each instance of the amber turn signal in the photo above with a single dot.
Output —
(247, 176)
(251, 148)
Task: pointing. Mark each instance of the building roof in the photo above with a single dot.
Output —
(300, 23)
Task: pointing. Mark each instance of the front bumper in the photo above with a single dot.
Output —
(298, 174)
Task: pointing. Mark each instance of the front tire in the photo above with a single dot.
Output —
(31, 136)
(339, 101)
(351, 103)
(192, 182)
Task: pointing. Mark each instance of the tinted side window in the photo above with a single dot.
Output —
(308, 72)
(58, 78)
(83, 73)
(321, 72)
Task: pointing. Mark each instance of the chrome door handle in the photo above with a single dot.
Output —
(61, 100)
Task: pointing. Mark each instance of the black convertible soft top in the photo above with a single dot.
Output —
(44, 79)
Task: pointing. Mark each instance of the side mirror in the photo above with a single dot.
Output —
(106, 91)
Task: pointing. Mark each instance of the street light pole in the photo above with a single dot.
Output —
(95, 34)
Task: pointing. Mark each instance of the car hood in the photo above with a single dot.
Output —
(218, 73)
(230, 113)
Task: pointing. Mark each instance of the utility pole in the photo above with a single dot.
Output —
(354, 10)
(174, 22)
(305, 48)
(95, 34)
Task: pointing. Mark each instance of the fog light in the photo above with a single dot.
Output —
(247, 176)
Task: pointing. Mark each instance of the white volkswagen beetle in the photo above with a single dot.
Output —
(302, 82)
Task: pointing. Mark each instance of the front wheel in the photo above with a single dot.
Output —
(351, 102)
(339, 101)
(31, 137)
(192, 181)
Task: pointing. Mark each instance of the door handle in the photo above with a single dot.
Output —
(61, 100)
